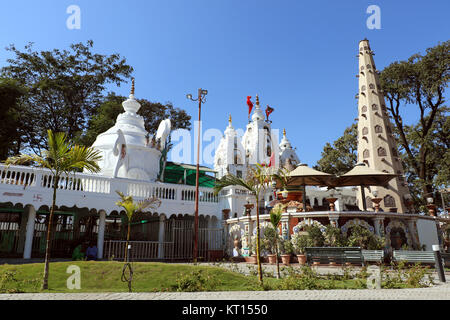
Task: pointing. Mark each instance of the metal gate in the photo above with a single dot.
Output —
(9, 234)
(178, 244)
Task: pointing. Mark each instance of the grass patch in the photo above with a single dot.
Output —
(105, 276)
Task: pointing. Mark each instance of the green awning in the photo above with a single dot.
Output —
(177, 173)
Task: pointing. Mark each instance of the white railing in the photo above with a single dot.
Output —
(30, 177)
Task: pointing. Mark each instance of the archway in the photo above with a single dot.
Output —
(393, 228)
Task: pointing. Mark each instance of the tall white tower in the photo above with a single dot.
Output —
(376, 144)
(229, 157)
(258, 141)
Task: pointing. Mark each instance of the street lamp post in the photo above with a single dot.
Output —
(201, 99)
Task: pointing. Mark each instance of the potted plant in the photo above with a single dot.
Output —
(299, 243)
(286, 252)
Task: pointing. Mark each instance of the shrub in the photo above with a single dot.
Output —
(334, 237)
(306, 279)
(300, 242)
(316, 236)
(286, 247)
(361, 237)
(195, 281)
(9, 283)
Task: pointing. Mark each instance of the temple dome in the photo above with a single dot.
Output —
(140, 161)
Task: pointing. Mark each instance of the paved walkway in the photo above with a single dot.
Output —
(438, 292)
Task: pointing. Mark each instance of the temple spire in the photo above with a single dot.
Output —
(376, 144)
(132, 87)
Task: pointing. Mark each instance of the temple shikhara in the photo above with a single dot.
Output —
(136, 164)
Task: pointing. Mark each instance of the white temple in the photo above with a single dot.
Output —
(259, 144)
(131, 163)
(125, 150)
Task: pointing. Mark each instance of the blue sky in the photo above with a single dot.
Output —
(299, 56)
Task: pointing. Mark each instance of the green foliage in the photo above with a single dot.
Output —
(342, 155)
(334, 237)
(62, 156)
(195, 281)
(361, 237)
(286, 246)
(153, 113)
(306, 279)
(409, 277)
(64, 87)
(270, 240)
(11, 112)
(256, 182)
(300, 242)
(420, 82)
(10, 284)
(316, 236)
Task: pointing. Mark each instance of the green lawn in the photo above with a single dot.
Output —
(148, 277)
(106, 277)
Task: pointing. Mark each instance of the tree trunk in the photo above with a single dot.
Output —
(49, 235)
(258, 258)
(276, 252)
(128, 240)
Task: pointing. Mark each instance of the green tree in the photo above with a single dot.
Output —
(152, 112)
(334, 237)
(342, 155)
(131, 207)
(61, 158)
(316, 236)
(420, 82)
(256, 182)
(64, 87)
(275, 219)
(363, 238)
(11, 112)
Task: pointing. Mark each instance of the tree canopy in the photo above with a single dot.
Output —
(152, 112)
(342, 155)
(11, 113)
(64, 91)
(420, 83)
(64, 87)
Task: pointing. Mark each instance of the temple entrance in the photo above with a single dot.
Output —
(175, 242)
(398, 238)
(68, 232)
(9, 234)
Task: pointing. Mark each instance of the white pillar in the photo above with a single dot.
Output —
(285, 226)
(30, 232)
(162, 220)
(334, 221)
(101, 233)
(378, 226)
(412, 226)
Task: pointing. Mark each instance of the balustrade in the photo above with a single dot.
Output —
(90, 183)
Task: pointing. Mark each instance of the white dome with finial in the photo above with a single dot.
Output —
(140, 159)
(288, 156)
(258, 114)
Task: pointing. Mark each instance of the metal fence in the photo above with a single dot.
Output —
(178, 245)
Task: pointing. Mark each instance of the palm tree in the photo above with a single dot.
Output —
(61, 158)
(275, 219)
(131, 207)
(256, 182)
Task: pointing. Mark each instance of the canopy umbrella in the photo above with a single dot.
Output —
(363, 176)
(306, 176)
